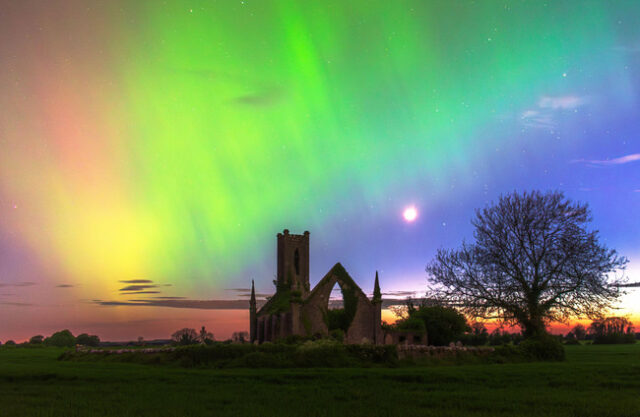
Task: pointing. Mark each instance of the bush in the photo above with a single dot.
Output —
(544, 348)
(9, 343)
(63, 338)
(337, 335)
(443, 324)
(88, 340)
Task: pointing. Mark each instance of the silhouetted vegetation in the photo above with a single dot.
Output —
(612, 330)
(87, 340)
(63, 338)
(185, 337)
(36, 340)
(533, 261)
(442, 324)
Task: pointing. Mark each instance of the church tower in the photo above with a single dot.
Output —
(293, 261)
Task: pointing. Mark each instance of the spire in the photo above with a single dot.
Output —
(377, 296)
(252, 303)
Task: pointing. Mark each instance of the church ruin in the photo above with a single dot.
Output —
(296, 310)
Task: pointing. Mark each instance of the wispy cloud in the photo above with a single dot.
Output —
(17, 284)
(136, 281)
(136, 288)
(64, 286)
(630, 285)
(561, 102)
(182, 303)
(607, 162)
(627, 48)
(544, 114)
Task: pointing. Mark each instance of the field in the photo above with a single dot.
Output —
(594, 381)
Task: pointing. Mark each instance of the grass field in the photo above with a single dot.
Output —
(594, 381)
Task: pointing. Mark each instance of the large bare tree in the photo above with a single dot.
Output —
(533, 261)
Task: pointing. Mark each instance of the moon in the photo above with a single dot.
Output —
(410, 214)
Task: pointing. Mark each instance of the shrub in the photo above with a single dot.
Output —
(337, 335)
(63, 338)
(443, 324)
(36, 340)
(9, 343)
(87, 340)
(544, 347)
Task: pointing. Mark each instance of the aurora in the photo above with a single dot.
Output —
(168, 142)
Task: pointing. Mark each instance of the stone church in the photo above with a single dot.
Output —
(295, 309)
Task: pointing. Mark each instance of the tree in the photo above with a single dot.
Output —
(240, 337)
(87, 340)
(443, 324)
(9, 343)
(63, 338)
(36, 340)
(205, 336)
(185, 336)
(612, 330)
(533, 261)
(579, 331)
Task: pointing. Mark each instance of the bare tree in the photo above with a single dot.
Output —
(205, 336)
(533, 261)
(185, 336)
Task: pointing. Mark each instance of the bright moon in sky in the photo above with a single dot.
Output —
(410, 214)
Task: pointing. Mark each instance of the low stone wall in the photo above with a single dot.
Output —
(442, 352)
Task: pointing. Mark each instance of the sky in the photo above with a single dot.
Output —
(150, 151)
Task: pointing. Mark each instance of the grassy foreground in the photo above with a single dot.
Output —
(594, 381)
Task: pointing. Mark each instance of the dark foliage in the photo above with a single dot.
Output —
(533, 261)
(612, 330)
(443, 324)
(543, 348)
(185, 336)
(63, 338)
(9, 343)
(87, 340)
(321, 353)
(36, 340)
(579, 331)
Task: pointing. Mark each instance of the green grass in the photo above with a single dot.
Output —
(594, 381)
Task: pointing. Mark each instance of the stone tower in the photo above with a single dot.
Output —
(293, 261)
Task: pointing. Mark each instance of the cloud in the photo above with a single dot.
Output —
(137, 287)
(630, 285)
(64, 286)
(561, 102)
(400, 293)
(17, 284)
(7, 303)
(183, 303)
(544, 114)
(136, 281)
(608, 162)
(627, 48)
(143, 292)
(260, 99)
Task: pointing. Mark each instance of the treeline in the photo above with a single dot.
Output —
(63, 338)
(445, 325)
